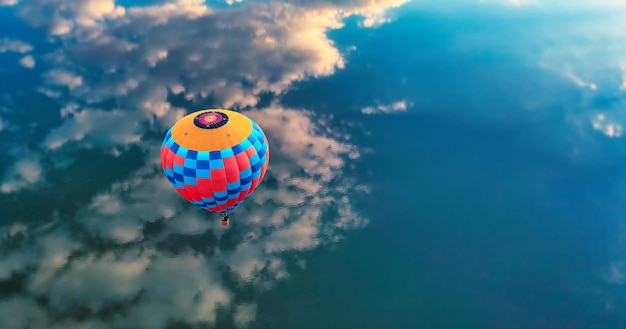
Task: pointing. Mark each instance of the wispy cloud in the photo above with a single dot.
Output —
(11, 45)
(61, 17)
(126, 244)
(139, 56)
(64, 78)
(210, 48)
(24, 173)
(305, 203)
(8, 2)
(96, 128)
(399, 106)
(609, 127)
(244, 315)
(27, 62)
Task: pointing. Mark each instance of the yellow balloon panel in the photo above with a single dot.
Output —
(215, 130)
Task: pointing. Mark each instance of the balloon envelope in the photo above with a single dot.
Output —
(215, 158)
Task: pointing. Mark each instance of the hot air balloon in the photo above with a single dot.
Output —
(215, 159)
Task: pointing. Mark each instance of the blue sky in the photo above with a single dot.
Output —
(469, 151)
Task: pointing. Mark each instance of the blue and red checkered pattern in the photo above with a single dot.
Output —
(217, 180)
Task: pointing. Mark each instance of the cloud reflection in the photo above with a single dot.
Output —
(137, 255)
(399, 106)
(10, 45)
(156, 285)
(26, 172)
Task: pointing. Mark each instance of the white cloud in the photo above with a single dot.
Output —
(399, 106)
(293, 48)
(297, 134)
(24, 173)
(162, 13)
(22, 312)
(187, 48)
(206, 71)
(50, 93)
(120, 213)
(10, 45)
(96, 128)
(13, 230)
(8, 2)
(64, 78)
(194, 295)
(136, 56)
(56, 248)
(373, 11)
(89, 12)
(165, 289)
(27, 62)
(95, 281)
(579, 45)
(580, 82)
(297, 145)
(244, 315)
(53, 250)
(609, 127)
(111, 260)
(16, 261)
(62, 17)
(300, 235)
